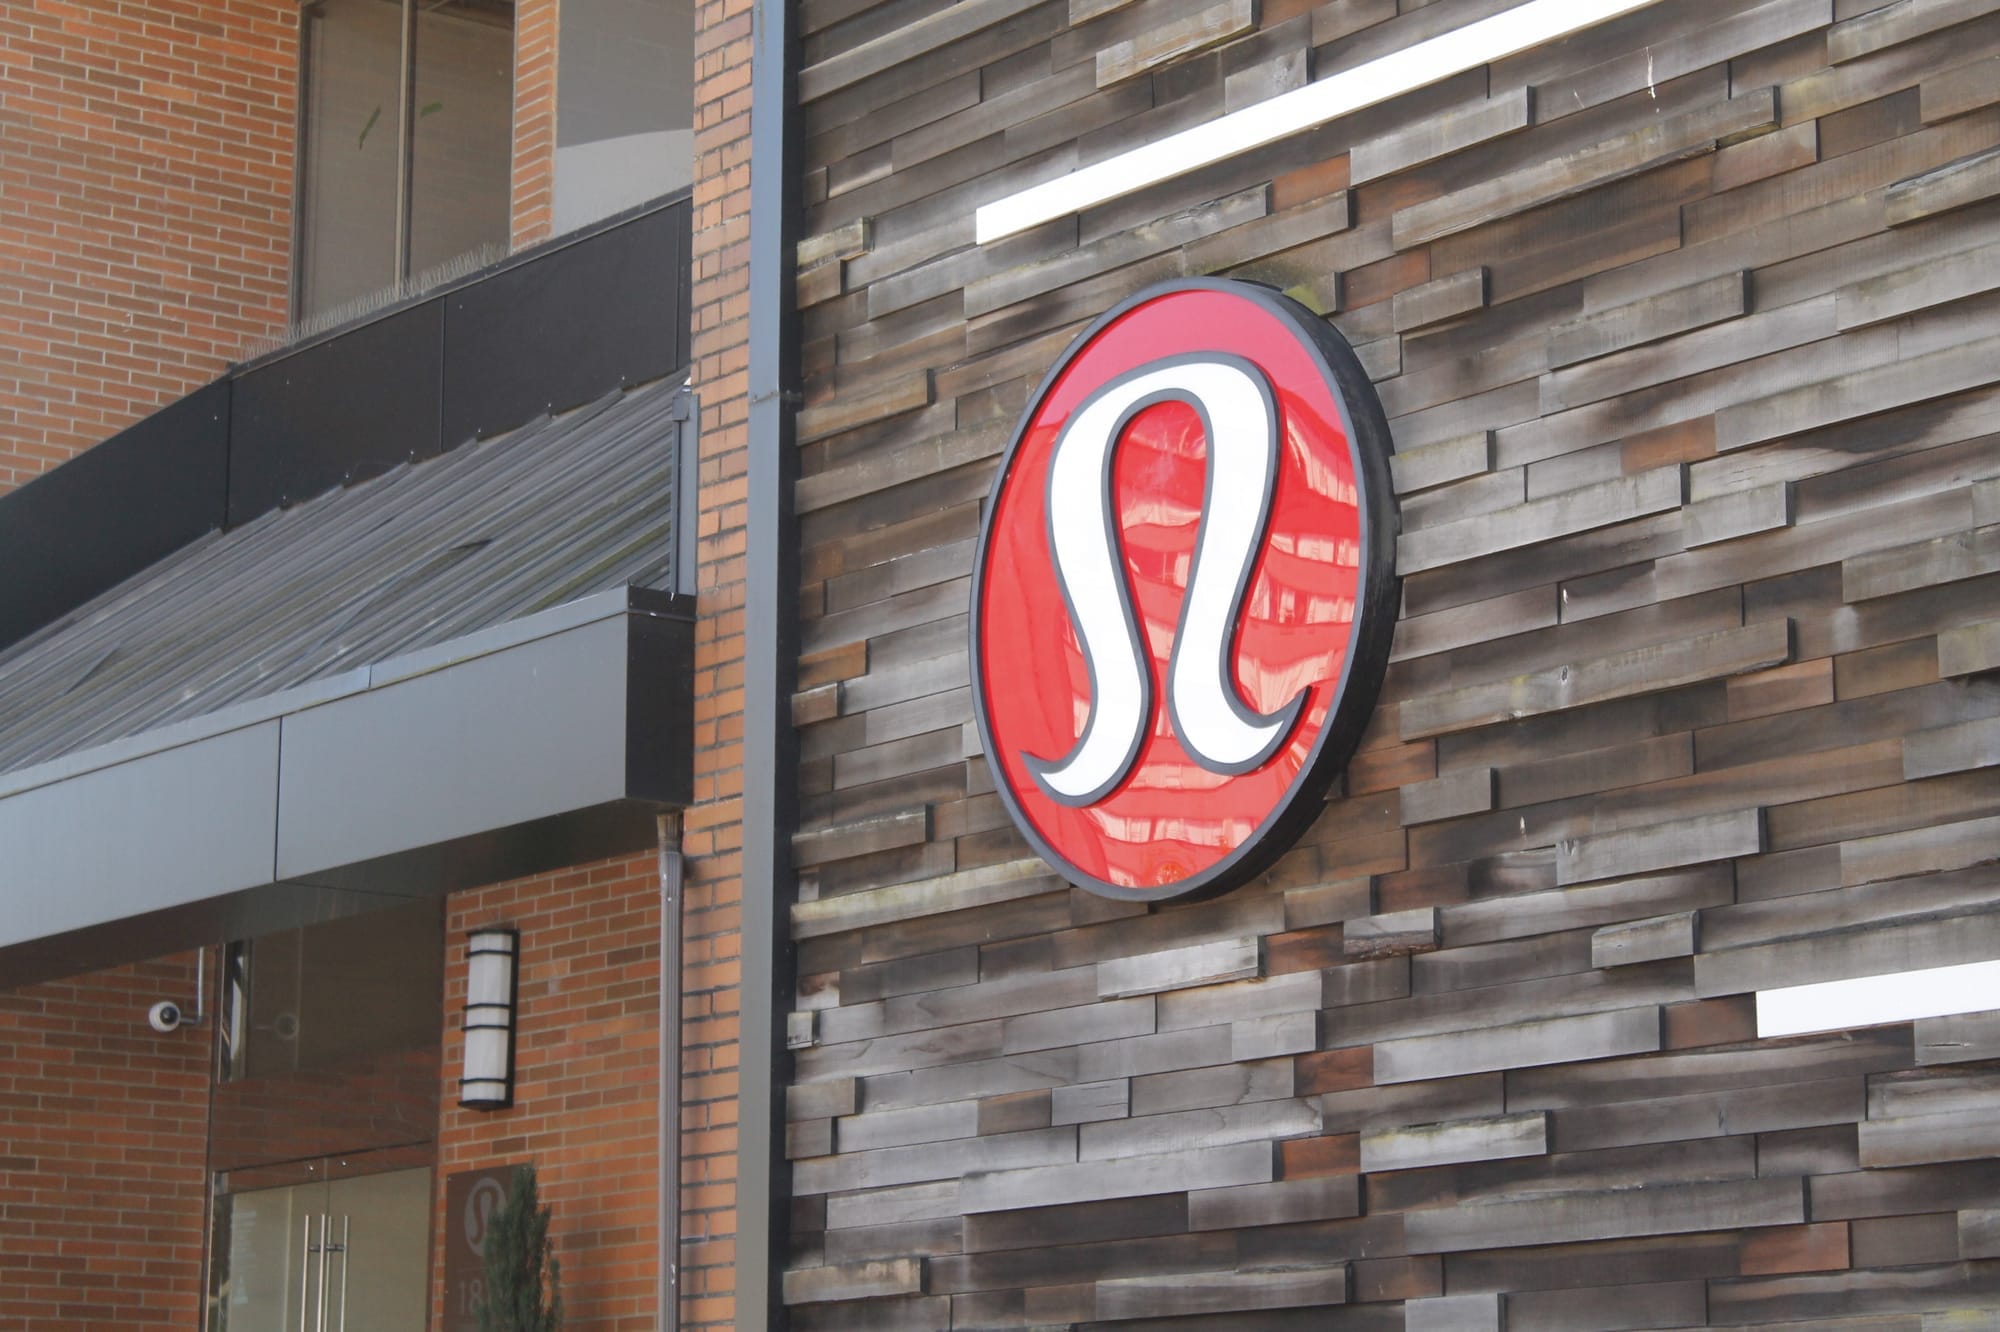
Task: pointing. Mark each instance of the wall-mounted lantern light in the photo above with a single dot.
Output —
(493, 957)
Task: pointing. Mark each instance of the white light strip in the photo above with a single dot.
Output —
(1392, 75)
(1900, 997)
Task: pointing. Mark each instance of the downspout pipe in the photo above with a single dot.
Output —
(770, 633)
(670, 1073)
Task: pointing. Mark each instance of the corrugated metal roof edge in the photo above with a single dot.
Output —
(481, 642)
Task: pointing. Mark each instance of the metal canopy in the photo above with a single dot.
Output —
(466, 669)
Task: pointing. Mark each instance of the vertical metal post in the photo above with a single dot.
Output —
(345, 1230)
(325, 1239)
(305, 1270)
(670, 1072)
(770, 664)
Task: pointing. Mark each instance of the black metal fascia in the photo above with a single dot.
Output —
(770, 769)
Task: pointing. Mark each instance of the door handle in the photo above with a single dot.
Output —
(325, 1247)
(344, 1224)
(305, 1270)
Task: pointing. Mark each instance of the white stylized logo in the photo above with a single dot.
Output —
(1219, 731)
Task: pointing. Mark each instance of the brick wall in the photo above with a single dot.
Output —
(535, 30)
(145, 209)
(713, 983)
(103, 1126)
(587, 1077)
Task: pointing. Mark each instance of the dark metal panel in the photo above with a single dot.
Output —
(112, 510)
(770, 744)
(574, 837)
(583, 318)
(180, 826)
(337, 411)
(659, 704)
(505, 739)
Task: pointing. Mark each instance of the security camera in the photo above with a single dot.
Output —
(164, 1016)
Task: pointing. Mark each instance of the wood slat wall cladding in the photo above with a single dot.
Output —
(1688, 329)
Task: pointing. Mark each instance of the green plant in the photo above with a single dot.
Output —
(523, 1277)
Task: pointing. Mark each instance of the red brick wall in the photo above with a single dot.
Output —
(714, 825)
(103, 1130)
(535, 28)
(586, 1087)
(145, 208)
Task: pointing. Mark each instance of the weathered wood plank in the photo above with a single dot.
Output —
(815, 846)
(1438, 300)
(1963, 1038)
(1651, 144)
(1220, 1292)
(1651, 940)
(1662, 846)
(1391, 934)
(854, 1281)
(1919, 287)
(1753, 647)
(1442, 135)
(1173, 39)
(1740, 513)
(1520, 1045)
(1179, 968)
(1876, 951)
(1460, 791)
(1954, 92)
(1969, 650)
(1186, 1130)
(1918, 379)
(1579, 510)
(1129, 1177)
(1451, 1143)
(1568, 1217)
(1894, 24)
(1602, 332)
(904, 901)
(894, 399)
(1088, 1102)
(1442, 462)
(905, 43)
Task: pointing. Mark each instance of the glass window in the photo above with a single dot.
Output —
(624, 105)
(406, 116)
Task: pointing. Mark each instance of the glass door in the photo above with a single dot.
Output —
(329, 1254)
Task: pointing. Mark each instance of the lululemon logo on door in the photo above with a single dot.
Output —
(1184, 591)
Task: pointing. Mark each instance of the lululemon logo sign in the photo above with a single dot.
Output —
(1184, 590)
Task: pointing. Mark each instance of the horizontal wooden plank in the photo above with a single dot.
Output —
(854, 1281)
(814, 846)
(1441, 135)
(1127, 1177)
(1587, 906)
(1649, 319)
(1875, 951)
(1917, 379)
(1962, 1038)
(1439, 299)
(1285, 1202)
(1971, 649)
(1212, 1126)
(1651, 144)
(1920, 286)
(1391, 934)
(1893, 24)
(1460, 791)
(1645, 670)
(1688, 841)
(1417, 1145)
(1519, 1045)
(1579, 510)
(1568, 1217)
(1631, 942)
(906, 394)
(1442, 462)
(1179, 968)
(1953, 92)
(1922, 1139)
(905, 901)
(1946, 559)
(1212, 1293)
(904, 43)
(1735, 514)
(1183, 35)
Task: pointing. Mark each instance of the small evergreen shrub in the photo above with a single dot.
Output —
(523, 1277)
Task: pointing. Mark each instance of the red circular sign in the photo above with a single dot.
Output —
(1185, 590)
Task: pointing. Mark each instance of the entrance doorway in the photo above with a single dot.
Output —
(334, 1253)
(323, 1125)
